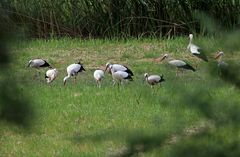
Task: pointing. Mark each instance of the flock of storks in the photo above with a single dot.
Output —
(120, 72)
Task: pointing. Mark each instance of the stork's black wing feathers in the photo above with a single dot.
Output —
(189, 67)
(46, 64)
(129, 71)
(129, 77)
(201, 56)
(82, 68)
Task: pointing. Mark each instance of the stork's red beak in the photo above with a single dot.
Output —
(64, 83)
(217, 55)
(162, 58)
(106, 69)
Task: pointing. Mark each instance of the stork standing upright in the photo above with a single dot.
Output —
(221, 64)
(218, 57)
(73, 70)
(118, 67)
(119, 76)
(195, 50)
(50, 75)
(153, 79)
(179, 64)
(38, 63)
(98, 76)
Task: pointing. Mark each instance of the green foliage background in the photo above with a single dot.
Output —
(116, 18)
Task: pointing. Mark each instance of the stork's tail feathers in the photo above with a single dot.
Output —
(162, 79)
(82, 68)
(202, 56)
(129, 72)
(189, 67)
(46, 64)
(193, 69)
(129, 77)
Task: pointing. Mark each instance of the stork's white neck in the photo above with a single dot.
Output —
(112, 71)
(219, 59)
(190, 41)
(67, 77)
(169, 58)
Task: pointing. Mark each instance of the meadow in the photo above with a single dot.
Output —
(83, 120)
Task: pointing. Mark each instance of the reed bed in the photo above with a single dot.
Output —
(115, 18)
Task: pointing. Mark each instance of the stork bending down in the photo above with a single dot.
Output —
(73, 70)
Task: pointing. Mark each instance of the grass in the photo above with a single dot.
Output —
(82, 120)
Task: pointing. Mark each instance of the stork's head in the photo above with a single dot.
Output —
(64, 81)
(218, 55)
(145, 75)
(191, 36)
(29, 63)
(108, 64)
(164, 57)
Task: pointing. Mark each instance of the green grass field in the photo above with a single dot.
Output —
(83, 120)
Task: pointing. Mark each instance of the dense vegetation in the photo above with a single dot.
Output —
(115, 18)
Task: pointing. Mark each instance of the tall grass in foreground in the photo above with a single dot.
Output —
(115, 18)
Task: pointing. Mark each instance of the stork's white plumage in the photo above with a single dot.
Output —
(51, 74)
(195, 50)
(98, 76)
(179, 64)
(153, 79)
(119, 76)
(73, 70)
(118, 67)
(38, 63)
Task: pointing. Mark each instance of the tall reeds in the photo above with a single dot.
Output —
(115, 18)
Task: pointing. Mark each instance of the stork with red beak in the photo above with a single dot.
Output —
(195, 50)
(118, 67)
(120, 76)
(37, 64)
(179, 64)
(218, 57)
(73, 70)
(153, 79)
(98, 76)
(51, 75)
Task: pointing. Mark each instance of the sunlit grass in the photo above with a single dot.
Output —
(83, 120)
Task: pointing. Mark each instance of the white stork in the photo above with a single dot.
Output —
(179, 64)
(221, 63)
(218, 57)
(195, 50)
(118, 67)
(51, 74)
(153, 79)
(119, 76)
(98, 76)
(73, 70)
(38, 63)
